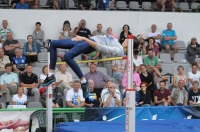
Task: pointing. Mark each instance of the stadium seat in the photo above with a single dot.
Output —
(43, 57)
(167, 68)
(180, 44)
(37, 71)
(180, 58)
(195, 6)
(184, 6)
(35, 105)
(165, 58)
(22, 42)
(71, 4)
(134, 5)
(103, 70)
(147, 6)
(43, 3)
(121, 5)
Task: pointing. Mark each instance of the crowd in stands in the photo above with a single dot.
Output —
(17, 77)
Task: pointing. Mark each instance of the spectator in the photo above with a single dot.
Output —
(111, 96)
(44, 74)
(162, 96)
(66, 30)
(153, 45)
(103, 4)
(110, 33)
(9, 81)
(118, 67)
(167, 3)
(29, 81)
(93, 98)
(4, 30)
(98, 31)
(193, 52)
(81, 30)
(154, 34)
(86, 5)
(169, 35)
(22, 4)
(139, 44)
(145, 95)
(10, 45)
(149, 79)
(74, 98)
(179, 76)
(194, 94)
(137, 96)
(193, 75)
(153, 65)
(98, 77)
(179, 94)
(137, 60)
(4, 59)
(136, 78)
(124, 34)
(20, 98)
(64, 79)
(19, 62)
(56, 98)
(31, 51)
(92, 56)
(36, 5)
(38, 34)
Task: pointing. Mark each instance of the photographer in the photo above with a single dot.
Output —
(66, 31)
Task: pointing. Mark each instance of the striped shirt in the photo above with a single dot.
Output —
(119, 64)
(3, 33)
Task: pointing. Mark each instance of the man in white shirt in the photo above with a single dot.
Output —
(111, 96)
(193, 75)
(4, 30)
(74, 98)
(155, 34)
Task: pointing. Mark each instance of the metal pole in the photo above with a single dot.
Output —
(130, 92)
(49, 112)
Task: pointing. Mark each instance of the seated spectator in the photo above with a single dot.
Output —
(193, 75)
(56, 96)
(179, 94)
(119, 67)
(9, 81)
(29, 81)
(139, 44)
(38, 34)
(10, 45)
(74, 98)
(98, 77)
(153, 65)
(111, 96)
(103, 5)
(31, 51)
(4, 30)
(13, 3)
(194, 94)
(124, 34)
(137, 96)
(154, 34)
(110, 33)
(44, 74)
(145, 95)
(4, 59)
(20, 98)
(36, 5)
(136, 79)
(86, 5)
(22, 4)
(98, 31)
(66, 30)
(93, 98)
(168, 4)
(92, 56)
(149, 79)
(137, 60)
(19, 62)
(64, 79)
(169, 35)
(153, 45)
(180, 76)
(162, 96)
(81, 30)
(193, 52)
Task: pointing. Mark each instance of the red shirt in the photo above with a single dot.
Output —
(160, 95)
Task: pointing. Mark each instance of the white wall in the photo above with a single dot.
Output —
(22, 22)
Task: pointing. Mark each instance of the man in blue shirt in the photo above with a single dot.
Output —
(169, 36)
(22, 5)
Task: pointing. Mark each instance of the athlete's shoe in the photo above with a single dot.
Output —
(47, 43)
(48, 80)
(86, 89)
